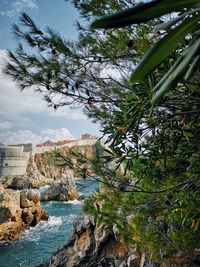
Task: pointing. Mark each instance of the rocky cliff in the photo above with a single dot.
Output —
(45, 162)
(94, 244)
(18, 211)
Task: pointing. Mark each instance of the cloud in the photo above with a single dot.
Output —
(27, 136)
(16, 107)
(5, 125)
(56, 134)
(17, 6)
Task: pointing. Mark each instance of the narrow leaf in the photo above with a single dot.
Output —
(142, 12)
(191, 68)
(179, 71)
(163, 48)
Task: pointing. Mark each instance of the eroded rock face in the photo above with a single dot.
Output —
(63, 190)
(94, 245)
(5, 181)
(60, 193)
(18, 211)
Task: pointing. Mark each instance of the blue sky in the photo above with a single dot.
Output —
(24, 117)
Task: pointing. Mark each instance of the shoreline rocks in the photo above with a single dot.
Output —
(63, 189)
(18, 211)
(93, 244)
(60, 192)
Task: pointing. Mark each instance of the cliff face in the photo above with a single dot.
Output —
(47, 167)
(94, 245)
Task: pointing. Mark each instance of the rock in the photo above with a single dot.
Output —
(29, 181)
(61, 192)
(10, 231)
(81, 197)
(18, 211)
(6, 181)
(27, 216)
(37, 216)
(45, 215)
(1, 188)
(10, 215)
(9, 206)
(94, 245)
(29, 198)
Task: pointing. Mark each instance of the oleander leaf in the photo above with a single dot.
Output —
(142, 12)
(174, 76)
(163, 48)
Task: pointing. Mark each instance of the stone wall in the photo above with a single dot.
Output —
(13, 160)
(86, 142)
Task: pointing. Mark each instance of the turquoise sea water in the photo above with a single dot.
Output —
(37, 243)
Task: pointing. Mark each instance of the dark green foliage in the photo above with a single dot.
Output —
(184, 27)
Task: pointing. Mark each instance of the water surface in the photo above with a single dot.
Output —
(37, 243)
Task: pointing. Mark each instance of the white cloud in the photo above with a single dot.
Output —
(27, 136)
(16, 106)
(5, 125)
(56, 134)
(18, 6)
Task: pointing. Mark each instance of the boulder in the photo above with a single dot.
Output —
(6, 181)
(29, 181)
(29, 198)
(60, 192)
(18, 211)
(9, 206)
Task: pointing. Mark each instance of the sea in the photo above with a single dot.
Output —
(36, 245)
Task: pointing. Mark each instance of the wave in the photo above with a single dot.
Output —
(74, 202)
(34, 233)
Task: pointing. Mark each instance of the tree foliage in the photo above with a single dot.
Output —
(181, 32)
(151, 167)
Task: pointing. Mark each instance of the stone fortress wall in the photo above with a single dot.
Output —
(43, 149)
(14, 159)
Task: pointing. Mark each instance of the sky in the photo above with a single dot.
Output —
(24, 116)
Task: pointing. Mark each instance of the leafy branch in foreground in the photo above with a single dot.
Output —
(183, 28)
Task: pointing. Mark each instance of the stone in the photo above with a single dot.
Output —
(10, 231)
(6, 181)
(29, 198)
(18, 211)
(45, 215)
(1, 188)
(60, 192)
(27, 216)
(93, 244)
(9, 206)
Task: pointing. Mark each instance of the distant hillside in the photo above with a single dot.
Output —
(2, 144)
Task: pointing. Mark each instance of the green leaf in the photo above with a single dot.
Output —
(142, 12)
(196, 225)
(185, 218)
(169, 24)
(174, 75)
(190, 71)
(163, 48)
